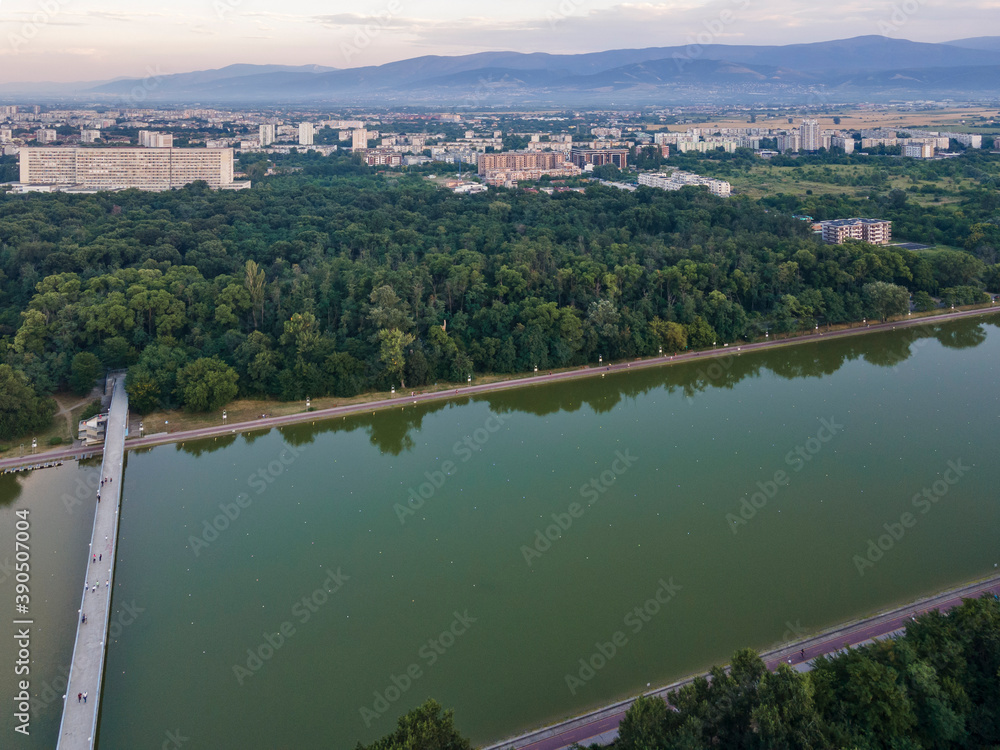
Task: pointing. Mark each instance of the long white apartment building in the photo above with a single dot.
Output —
(679, 179)
(122, 168)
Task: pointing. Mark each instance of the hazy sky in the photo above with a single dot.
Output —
(67, 40)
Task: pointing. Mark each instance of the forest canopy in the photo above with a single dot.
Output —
(334, 280)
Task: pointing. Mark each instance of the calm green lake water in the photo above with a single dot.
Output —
(646, 471)
(60, 504)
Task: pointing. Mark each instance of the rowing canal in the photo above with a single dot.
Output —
(523, 556)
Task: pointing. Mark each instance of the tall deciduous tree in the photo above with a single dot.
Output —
(21, 409)
(254, 283)
(884, 300)
(84, 371)
(393, 352)
(206, 384)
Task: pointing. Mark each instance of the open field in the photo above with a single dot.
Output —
(926, 183)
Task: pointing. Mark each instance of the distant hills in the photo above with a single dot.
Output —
(867, 68)
(978, 42)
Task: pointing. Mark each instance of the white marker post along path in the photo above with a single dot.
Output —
(78, 728)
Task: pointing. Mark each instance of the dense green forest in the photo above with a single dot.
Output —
(935, 687)
(333, 279)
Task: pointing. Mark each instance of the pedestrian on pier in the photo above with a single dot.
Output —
(79, 697)
(94, 589)
(94, 560)
(107, 584)
(100, 557)
(84, 697)
(803, 652)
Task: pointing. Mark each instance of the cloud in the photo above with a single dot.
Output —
(386, 20)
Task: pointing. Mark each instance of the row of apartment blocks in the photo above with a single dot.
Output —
(510, 167)
(942, 138)
(874, 231)
(155, 169)
(679, 179)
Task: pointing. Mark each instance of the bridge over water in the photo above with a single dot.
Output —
(78, 728)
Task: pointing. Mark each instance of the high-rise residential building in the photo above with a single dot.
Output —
(120, 168)
(791, 141)
(874, 231)
(359, 139)
(810, 135)
(845, 142)
(599, 157)
(266, 134)
(305, 134)
(152, 139)
(46, 135)
(6, 134)
(90, 136)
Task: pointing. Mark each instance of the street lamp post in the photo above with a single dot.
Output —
(225, 415)
(308, 403)
(141, 428)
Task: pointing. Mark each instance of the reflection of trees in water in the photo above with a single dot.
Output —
(254, 435)
(961, 337)
(390, 430)
(10, 489)
(569, 397)
(207, 445)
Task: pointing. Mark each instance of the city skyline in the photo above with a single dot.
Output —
(61, 40)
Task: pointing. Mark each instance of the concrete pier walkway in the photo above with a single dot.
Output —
(78, 728)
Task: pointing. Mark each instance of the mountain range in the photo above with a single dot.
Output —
(866, 68)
